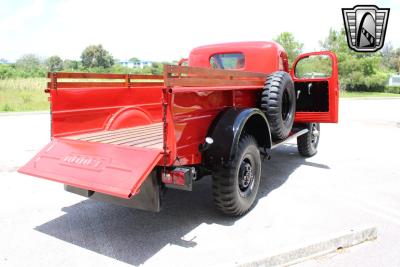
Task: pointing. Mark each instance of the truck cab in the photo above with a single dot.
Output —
(314, 74)
(265, 57)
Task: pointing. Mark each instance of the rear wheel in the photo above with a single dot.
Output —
(235, 187)
(307, 144)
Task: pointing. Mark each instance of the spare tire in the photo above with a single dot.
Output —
(278, 102)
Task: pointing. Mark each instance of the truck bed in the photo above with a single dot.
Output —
(147, 136)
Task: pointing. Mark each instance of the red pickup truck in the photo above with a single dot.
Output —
(130, 137)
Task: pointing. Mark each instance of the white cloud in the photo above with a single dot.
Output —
(166, 30)
(23, 16)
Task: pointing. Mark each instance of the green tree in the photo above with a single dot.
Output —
(28, 62)
(357, 71)
(157, 68)
(336, 42)
(71, 64)
(134, 59)
(7, 71)
(54, 63)
(395, 60)
(391, 57)
(29, 65)
(95, 56)
(293, 48)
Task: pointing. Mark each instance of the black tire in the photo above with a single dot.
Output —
(235, 187)
(278, 101)
(307, 144)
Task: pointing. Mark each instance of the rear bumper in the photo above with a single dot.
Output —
(148, 197)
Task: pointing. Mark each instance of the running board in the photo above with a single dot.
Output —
(290, 137)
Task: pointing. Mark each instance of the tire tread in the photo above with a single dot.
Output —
(270, 102)
(224, 186)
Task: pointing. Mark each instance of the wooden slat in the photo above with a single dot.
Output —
(156, 146)
(140, 141)
(113, 132)
(173, 69)
(146, 76)
(102, 84)
(194, 76)
(149, 83)
(123, 134)
(129, 80)
(144, 143)
(83, 75)
(88, 84)
(212, 82)
(142, 136)
(189, 89)
(100, 133)
(128, 138)
(217, 76)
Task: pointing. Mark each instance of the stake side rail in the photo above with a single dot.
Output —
(174, 76)
(183, 76)
(84, 80)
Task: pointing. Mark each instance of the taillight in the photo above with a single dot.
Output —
(179, 178)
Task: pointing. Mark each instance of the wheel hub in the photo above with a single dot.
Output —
(246, 176)
(314, 133)
(285, 105)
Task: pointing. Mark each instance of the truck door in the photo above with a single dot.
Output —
(315, 77)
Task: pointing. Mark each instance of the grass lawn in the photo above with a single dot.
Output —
(27, 94)
(346, 94)
(23, 94)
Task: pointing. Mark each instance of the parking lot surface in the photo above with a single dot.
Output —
(354, 180)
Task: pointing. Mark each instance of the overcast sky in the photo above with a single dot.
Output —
(165, 30)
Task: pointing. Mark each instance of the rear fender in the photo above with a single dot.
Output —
(227, 129)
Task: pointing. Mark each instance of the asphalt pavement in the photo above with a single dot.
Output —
(354, 180)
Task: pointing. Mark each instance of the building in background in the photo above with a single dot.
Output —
(136, 64)
(5, 61)
(394, 80)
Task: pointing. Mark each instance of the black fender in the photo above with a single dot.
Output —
(226, 130)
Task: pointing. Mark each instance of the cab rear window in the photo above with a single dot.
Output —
(227, 61)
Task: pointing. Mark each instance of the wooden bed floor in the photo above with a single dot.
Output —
(149, 136)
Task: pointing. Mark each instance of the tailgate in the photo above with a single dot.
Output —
(105, 168)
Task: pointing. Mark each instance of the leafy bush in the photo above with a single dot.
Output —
(357, 71)
(54, 63)
(357, 81)
(6, 72)
(392, 89)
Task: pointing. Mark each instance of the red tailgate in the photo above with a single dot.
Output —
(109, 169)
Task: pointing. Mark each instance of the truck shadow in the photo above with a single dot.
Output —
(134, 236)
